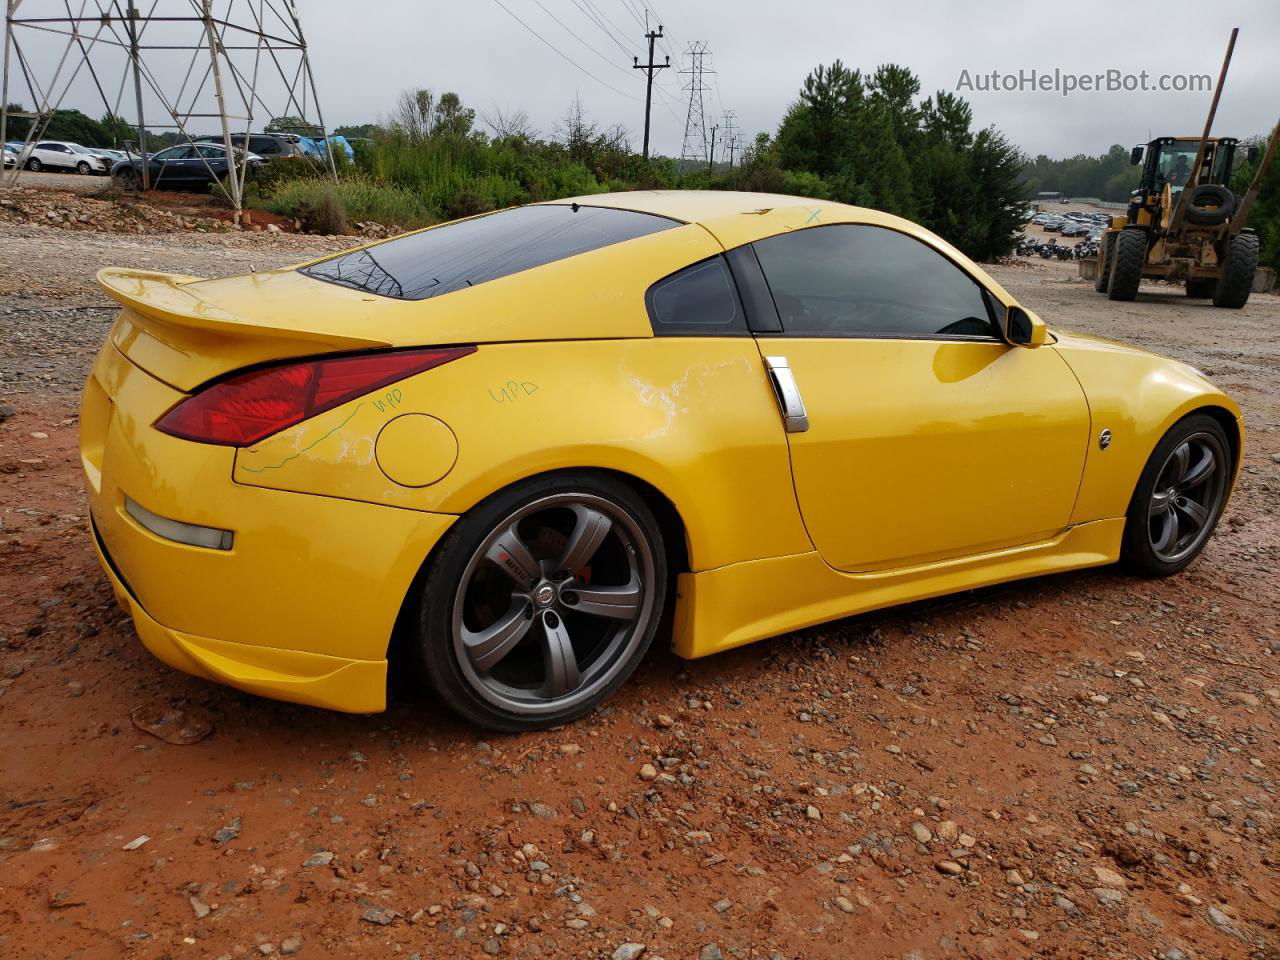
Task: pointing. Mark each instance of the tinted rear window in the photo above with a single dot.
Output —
(471, 252)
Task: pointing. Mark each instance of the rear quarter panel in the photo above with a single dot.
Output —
(693, 417)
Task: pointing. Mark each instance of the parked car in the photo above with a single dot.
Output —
(268, 146)
(61, 155)
(774, 420)
(182, 167)
(1053, 225)
(10, 156)
(1075, 228)
(111, 157)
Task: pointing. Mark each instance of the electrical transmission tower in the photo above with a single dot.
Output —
(696, 144)
(180, 66)
(728, 121)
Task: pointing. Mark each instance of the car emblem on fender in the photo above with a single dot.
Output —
(1104, 439)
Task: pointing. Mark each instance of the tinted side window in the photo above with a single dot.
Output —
(264, 145)
(856, 280)
(698, 300)
(463, 254)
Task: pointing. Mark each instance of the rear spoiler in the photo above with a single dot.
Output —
(169, 298)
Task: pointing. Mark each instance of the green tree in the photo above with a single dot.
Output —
(1264, 215)
(290, 123)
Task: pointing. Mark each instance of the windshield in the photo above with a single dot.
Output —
(1175, 163)
(421, 265)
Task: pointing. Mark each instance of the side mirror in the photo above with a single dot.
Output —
(1023, 328)
(1135, 155)
(1253, 154)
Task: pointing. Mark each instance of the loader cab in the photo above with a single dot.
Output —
(1169, 160)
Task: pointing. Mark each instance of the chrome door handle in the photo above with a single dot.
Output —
(794, 418)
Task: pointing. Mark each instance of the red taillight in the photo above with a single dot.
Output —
(249, 407)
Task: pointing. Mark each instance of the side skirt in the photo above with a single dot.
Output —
(726, 607)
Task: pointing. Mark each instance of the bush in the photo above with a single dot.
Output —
(322, 211)
(324, 205)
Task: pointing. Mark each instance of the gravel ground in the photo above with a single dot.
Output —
(71, 182)
(1077, 766)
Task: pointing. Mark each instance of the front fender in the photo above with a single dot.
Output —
(1137, 396)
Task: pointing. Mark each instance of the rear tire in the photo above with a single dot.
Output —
(1202, 288)
(1178, 499)
(542, 600)
(1104, 264)
(1130, 252)
(1238, 268)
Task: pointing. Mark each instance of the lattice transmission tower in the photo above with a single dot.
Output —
(170, 65)
(695, 145)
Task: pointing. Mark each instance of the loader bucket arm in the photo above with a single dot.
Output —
(1175, 222)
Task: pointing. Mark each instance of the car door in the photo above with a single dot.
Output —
(927, 436)
(174, 166)
(52, 155)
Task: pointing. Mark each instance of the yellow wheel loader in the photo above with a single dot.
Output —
(1183, 221)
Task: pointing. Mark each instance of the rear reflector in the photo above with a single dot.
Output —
(240, 411)
(189, 533)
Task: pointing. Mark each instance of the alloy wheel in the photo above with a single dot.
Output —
(1187, 497)
(553, 603)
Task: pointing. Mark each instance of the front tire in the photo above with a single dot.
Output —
(1104, 264)
(542, 600)
(1179, 498)
(1128, 255)
(34, 165)
(83, 168)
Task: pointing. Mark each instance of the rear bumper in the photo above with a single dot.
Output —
(301, 606)
(335, 683)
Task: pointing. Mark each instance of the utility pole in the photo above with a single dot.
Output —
(649, 68)
(711, 154)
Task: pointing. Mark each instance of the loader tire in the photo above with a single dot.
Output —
(1127, 256)
(1201, 288)
(1104, 264)
(1238, 268)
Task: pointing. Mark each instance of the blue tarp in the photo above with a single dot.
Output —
(315, 147)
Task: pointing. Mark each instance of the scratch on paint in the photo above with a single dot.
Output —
(295, 456)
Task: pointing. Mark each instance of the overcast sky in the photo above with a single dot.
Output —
(365, 52)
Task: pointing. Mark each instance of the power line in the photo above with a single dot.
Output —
(606, 23)
(571, 33)
(564, 55)
(630, 8)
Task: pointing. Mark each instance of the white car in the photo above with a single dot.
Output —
(10, 157)
(62, 155)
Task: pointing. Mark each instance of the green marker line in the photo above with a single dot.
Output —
(309, 446)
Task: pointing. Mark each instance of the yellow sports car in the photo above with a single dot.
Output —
(515, 448)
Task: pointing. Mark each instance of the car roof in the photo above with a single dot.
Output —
(698, 206)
